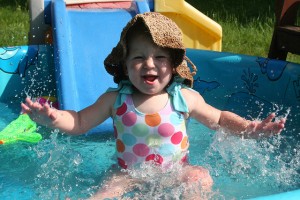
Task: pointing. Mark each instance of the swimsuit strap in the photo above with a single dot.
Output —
(177, 99)
(125, 87)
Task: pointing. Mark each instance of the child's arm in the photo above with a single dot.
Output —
(214, 118)
(251, 129)
(70, 121)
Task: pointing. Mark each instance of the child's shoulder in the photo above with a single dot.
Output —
(110, 94)
(108, 97)
(189, 91)
(191, 96)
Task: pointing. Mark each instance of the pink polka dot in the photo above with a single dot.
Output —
(129, 119)
(121, 110)
(141, 149)
(155, 157)
(129, 158)
(177, 137)
(121, 163)
(115, 132)
(166, 129)
(184, 159)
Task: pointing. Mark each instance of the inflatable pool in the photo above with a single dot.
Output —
(71, 69)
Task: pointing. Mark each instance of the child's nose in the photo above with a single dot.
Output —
(149, 62)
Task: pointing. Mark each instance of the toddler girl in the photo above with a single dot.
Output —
(151, 105)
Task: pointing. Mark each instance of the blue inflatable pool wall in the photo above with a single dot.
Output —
(72, 69)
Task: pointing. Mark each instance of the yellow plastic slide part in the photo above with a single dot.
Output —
(199, 31)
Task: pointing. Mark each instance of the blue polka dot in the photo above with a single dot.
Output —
(176, 118)
(128, 139)
(166, 149)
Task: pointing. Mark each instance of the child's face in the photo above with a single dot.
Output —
(148, 66)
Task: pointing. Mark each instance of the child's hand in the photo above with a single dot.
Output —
(266, 127)
(42, 114)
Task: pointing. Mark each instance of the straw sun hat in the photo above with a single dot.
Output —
(165, 33)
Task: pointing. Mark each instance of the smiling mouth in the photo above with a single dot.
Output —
(149, 79)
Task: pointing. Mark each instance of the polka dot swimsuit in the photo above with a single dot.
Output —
(159, 137)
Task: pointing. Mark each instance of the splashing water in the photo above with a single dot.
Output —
(259, 167)
(62, 166)
(158, 183)
(68, 168)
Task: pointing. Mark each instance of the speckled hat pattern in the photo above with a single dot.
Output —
(165, 33)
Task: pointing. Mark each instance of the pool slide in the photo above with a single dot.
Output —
(199, 31)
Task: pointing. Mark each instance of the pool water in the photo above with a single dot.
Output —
(63, 166)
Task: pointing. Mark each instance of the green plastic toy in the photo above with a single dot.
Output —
(21, 129)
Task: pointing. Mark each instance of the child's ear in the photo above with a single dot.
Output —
(174, 70)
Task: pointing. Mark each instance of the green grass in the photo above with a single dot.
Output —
(14, 22)
(247, 25)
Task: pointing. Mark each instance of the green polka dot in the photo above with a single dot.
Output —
(177, 156)
(120, 127)
(154, 140)
(140, 130)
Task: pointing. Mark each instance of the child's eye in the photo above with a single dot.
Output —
(161, 57)
(137, 57)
